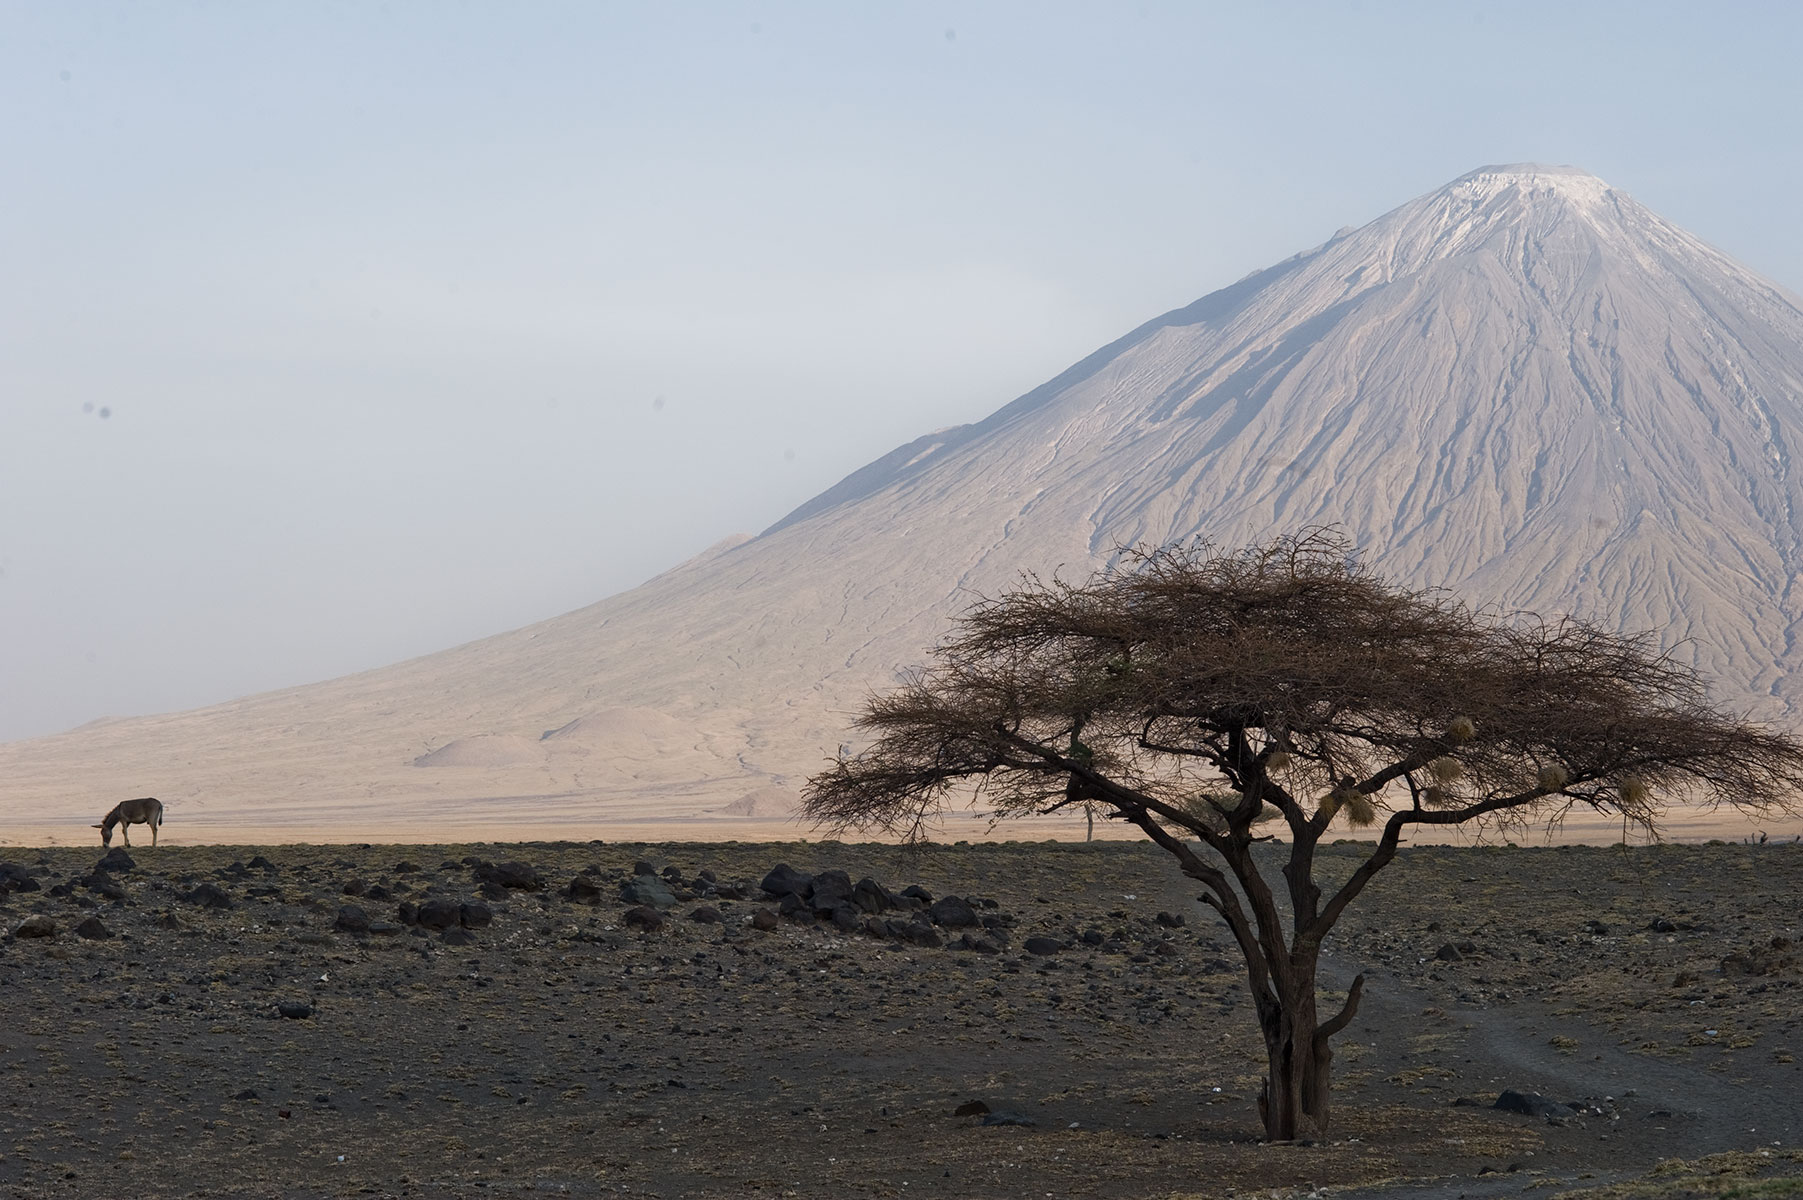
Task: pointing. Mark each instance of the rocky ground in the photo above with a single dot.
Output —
(1031, 1020)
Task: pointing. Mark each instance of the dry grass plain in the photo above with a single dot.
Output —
(557, 1051)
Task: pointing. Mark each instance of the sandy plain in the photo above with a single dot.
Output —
(553, 1050)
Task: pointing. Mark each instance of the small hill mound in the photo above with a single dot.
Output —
(612, 723)
(772, 801)
(484, 750)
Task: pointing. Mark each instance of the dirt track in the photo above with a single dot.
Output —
(558, 1049)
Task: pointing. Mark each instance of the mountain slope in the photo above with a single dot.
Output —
(1524, 386)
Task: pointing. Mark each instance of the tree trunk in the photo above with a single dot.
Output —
(1299, 1063)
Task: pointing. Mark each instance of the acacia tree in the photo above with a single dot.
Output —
(1206, 696)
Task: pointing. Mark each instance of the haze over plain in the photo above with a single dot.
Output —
(382, 302)
(1524, 385)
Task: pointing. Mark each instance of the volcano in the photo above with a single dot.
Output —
(1524, 387)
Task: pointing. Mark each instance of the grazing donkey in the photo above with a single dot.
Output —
(148, 811)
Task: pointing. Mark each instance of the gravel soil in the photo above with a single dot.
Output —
(283, 1047)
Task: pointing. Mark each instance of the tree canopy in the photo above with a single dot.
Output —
(1214, 698)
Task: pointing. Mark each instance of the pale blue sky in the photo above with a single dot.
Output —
(416, 322)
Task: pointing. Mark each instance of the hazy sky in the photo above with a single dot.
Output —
(333, 334)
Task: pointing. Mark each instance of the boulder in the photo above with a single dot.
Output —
(915, 892)
(1044, 946)
(764, 920)
(207, 895)
(643, 917)
(92, 929)
(872, 897)
(294, 1010)
(15, 878)
(647, 889)
(439, 913)
(1169, 920)
(514, 875)
(784, 880)
(457, 937)
(115, 859)
(583, 890)
(102, 884)
(1533, 1104)
(351, 919)
(915, 933)
(705, 915)
(38, 926)
(834, 886)
(473, 914)
(953, 913)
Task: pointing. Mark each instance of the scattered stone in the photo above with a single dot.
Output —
(93, 930)
(457, 937)
(583, 890)
(641, 867)
(1449, 953)
(971, 1108)
(354, 887)
(405, 867)
(383, 928)
(705, 915)
(1008, 1118)
(1170, 920)
(294, 1010)
(263, 864)
(1042, 945)
(915, 892)
(246, 1094)
(38, 926)
(1661, 925)
(473, 915)
(764, 920)
(16, 878)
